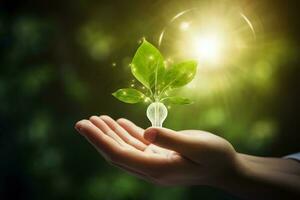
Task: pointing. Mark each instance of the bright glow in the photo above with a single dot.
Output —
(209, 34)
(184, 26)
(207, 47)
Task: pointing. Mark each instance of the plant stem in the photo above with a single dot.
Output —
(151, 94)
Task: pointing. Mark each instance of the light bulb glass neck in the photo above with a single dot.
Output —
(156, 100)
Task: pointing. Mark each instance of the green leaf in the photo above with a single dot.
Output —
(178, 100)
(148, 66)
(180, 74)
(129, 95)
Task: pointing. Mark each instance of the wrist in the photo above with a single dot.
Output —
(257, 178)
(237, 173)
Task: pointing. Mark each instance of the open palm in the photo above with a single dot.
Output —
(181, 162)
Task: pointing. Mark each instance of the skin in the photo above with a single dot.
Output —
(191, 157)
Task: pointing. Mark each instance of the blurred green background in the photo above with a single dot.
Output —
(61, 60)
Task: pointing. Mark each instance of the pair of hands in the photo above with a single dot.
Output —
(161, 155)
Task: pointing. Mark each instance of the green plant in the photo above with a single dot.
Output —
(148, 67)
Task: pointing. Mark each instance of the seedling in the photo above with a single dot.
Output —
(149, 68)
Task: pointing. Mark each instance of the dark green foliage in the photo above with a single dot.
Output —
(56, 68)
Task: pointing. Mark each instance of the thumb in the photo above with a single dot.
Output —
(182, 143)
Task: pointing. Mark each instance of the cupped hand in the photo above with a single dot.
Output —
(161, 155)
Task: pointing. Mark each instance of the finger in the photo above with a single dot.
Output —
(133, 129)
(103, 143)
(138, 133)
(123, 134)
(182, 143)
(107, 130)
(116, 154)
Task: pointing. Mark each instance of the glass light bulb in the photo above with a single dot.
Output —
(157, 113)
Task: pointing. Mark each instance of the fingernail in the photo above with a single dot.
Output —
(150, 135)
(78, 126)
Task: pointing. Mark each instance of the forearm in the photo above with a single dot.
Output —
(263, 178)
(288, 166)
